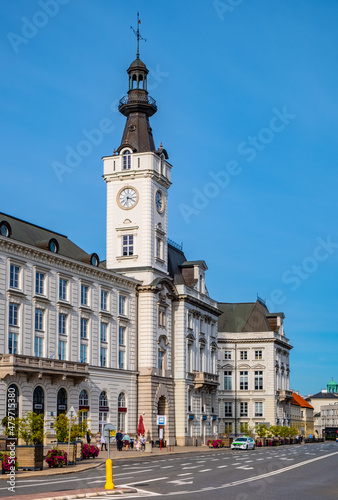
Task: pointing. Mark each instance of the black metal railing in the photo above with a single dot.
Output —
(137, 98)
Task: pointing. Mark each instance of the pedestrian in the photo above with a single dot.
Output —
(143, 443)
(103, 443)
(119, 442)
(98, 439)
(88, 436)
(126, 440)
(132, 443)
(138, 445)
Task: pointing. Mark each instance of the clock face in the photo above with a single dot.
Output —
(159, 201)
(128, 198)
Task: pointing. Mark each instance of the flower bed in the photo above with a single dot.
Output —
(56, 458)
(90, 451)
(7, 462)
(215, 443)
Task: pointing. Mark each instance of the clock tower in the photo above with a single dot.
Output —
(138, 177)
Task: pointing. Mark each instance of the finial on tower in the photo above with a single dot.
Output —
(138, 36)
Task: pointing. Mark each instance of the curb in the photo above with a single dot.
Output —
(116, 491)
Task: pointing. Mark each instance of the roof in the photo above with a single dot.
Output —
(243, 317)
(332, 383)
(323, 395)
(137, 63)
(175, 259)
(299, 401)
(37, 236)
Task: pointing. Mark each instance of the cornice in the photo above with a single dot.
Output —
(221, 340)
(200, 304)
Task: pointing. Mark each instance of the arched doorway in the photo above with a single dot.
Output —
(162, 409)
(38, 400)
(61, 401)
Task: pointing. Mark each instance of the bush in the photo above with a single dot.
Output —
(7, 461)
(90, 450)
(56, 458)
(215, 443)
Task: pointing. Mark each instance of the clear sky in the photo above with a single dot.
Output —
(247, 110)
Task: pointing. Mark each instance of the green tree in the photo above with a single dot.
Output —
(10, 428)
(261, 430)
(244, 428)
(30, 428)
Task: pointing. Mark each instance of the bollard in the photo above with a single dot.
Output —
(109, 475)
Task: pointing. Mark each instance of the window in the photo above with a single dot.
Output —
(62, 323)
(243, 381)
(228, 381)
(14, 276)
(159, 248)
(243, 409)
(61, 401)
(122, 335)
(201, 359)
(190, 321)
(161, 317)
(39, 282)
(13, 314)
(160, 361)
(13, 343)
(122, 305)
(83, 398)
(258, 380)
(103, 332)
(103, 356)
(228, 409)
(83, 328)
(121, 415)
(243, 355)
(104, 296)
(258, 409)
(227, 354)
(258, 354)
(128, 244)
(121, 359)
(62, 350)
(39, 319)
(126, 160)
(38, 346)
(84, 295)
(83, 353)
(189, 358)
(62, 289)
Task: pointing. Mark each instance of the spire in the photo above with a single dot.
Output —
(138, 36)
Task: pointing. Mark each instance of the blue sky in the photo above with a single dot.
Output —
(248, 106)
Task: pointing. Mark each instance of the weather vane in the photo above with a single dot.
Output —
(138, 36)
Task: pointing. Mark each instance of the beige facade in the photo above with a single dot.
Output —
(302, 416)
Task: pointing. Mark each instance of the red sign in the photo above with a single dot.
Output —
(122, 410)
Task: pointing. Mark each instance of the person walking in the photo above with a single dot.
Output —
(119, 442)
(143, 443)
(126, 440)
(103, 443)
(98, 439)
(88, 437)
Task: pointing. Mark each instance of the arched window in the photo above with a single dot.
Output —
(121, 412)
(61, 401)
(126, 160)
(103, 410)
(13, 394)
(134, 82)
(38, 400)
(83, 398)
(140, 82)
(83, 406)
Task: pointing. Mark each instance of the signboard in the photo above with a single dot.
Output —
(109, 432)
(161, 419)
(71, 412)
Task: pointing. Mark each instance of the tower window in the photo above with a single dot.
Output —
(126, 160)
(128, 244)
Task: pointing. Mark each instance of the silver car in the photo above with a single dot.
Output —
(243, 443)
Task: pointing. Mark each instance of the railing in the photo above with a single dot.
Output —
(284, 395)
(44, 364)
(135, 98)
(203, 378)
(175, 245)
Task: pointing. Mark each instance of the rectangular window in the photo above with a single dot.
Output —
(258, 409)
(39, 283)
(190, 321)
(243, 411)
(13, 343)
(243, 355)
(201, 359)
(62, 289)
(62, 350)
(83, 353)
(104, 296)
(38, 346)
(227, 354)
(39, 319)
(160, 360)
(62, 324)
(159, 247)
(122, 335)
(189, 356)
(228, 409)
(103, 356)
(121, 360)
(228, 381)
(13, 314)
(14, 276)
(83, 328)
(258, 354)
(84, 295)
(103, 332)
(122, 305)
(161, 317)
(128, 244)
(258, 380)
(243, 381)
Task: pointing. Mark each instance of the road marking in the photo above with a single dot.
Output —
(180, 482)
(166, 466)
(201, 461)
(191, 467)
(185, 474)
(260, 459)
(204, 470)
(147, 481)
(221, 466)
(244, 467)
(236, 463)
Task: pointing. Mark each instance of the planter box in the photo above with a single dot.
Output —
(227, 442)
(78, 450)
(30, 457)
(72, 451)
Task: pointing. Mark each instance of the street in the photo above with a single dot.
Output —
(301, 472)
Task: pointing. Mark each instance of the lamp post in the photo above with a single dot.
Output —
(69, 415)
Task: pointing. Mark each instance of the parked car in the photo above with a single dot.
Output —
(243, 443)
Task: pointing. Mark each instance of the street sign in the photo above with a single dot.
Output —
(109, 431)
(161, 419)
(71, 412)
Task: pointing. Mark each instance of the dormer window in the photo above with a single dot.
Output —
(5, 229)
(126, 160)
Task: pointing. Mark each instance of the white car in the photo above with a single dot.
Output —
(243, 443)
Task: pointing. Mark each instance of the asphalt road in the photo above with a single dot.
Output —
(281, 473)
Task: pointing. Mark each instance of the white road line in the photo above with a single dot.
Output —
(192, 467)
(222, 466)
(185, 474)
(201, 461)
(147, 481)
(204, 470)
(166, 466)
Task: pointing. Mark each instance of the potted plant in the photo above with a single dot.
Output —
(90, 451)
(77, 431)
(56, 458)
(261, 431)
(30, 429)
(6, 463)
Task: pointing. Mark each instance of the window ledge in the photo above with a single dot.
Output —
(86, 309)
(41, 298)
(16, 292)
(64, 303)
(127, 257)
(105, 314)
